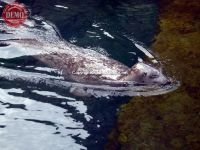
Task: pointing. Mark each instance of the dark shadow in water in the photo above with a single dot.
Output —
(86, 23)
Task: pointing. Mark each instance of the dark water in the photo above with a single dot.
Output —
(43, 118)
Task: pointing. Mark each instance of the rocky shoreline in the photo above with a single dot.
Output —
(169, 121)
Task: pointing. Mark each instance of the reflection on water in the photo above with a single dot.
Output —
(44, 117)
(35, 119)
(28, 123)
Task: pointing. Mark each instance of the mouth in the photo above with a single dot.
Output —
(167, 82)
(3, 44)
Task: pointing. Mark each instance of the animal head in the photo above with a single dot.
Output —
(147, 74)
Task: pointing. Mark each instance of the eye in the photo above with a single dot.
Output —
(144, 74)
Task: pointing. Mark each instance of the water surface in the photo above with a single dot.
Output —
(42, 117)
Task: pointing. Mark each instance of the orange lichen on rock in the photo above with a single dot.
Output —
(170, 121)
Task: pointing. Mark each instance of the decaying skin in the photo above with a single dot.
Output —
(87, 66)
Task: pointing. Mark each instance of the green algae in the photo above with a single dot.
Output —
(170, 121)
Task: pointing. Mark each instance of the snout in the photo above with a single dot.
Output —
(143, 73)
(163, 81)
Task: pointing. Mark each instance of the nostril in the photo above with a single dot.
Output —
(153, 76)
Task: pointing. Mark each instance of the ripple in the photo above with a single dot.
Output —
(52, 125)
